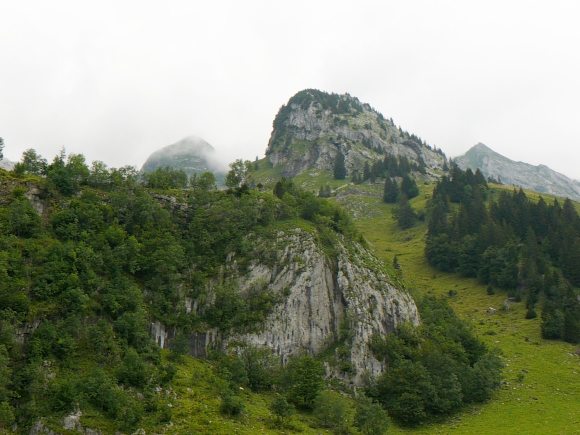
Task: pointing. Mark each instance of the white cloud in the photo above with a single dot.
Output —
(117, 80)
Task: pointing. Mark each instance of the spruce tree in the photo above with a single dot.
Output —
(405, 214)
(437, 223)
(366, 172)
(409, 187)
(339, 167)
(391, 191)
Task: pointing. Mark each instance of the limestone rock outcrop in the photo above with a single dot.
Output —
(345, 298)
(314, 126)
(325, 299)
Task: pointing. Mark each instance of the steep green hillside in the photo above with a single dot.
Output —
(99, 272)
(541, 390)
(107, 285)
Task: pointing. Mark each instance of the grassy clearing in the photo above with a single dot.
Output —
(195, 407)
(314, 179)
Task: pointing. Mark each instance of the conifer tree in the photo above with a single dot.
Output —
(405, 214)
(391, 191)
(437, 223)
(339, 167)
(409, 187)
(366, 172)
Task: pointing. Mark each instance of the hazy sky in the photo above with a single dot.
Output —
(116, 80)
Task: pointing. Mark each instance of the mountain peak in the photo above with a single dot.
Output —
(191, 154)
(481, 147)
(540, 178)
(314, 127)
(7, 164)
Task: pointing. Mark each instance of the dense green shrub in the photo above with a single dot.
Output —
(262, 367)
(133, 370)
(370, 417)
(281, 409)
(435, 369)
(166, 178)
(7, 417)
(333, 411)
(64, 393)
(303, 380)
(231, 405)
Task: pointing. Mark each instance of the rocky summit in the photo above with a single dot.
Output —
(314, 127)
(539, 178)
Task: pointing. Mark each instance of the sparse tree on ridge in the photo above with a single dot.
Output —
(31, 163)
(239, 174)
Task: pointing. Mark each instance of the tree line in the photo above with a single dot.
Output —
(388, 167)
(529, 248)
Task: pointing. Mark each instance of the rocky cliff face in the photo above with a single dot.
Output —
(323, 302)
(351, 294)
(538, 178)
(313, 127)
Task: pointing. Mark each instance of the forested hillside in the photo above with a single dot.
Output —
(530, 249)
(91, 257)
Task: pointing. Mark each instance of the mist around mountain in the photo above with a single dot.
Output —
(6, 164)
(539, 178)
(191, 154)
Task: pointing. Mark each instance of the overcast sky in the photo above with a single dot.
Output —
(118, 79)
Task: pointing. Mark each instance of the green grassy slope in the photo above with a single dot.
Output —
(542, 383)
(196, 406)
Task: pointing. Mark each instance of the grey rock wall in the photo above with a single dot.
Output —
(311, 137)
(319, 297)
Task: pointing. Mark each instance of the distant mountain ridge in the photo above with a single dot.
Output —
(539, 178)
